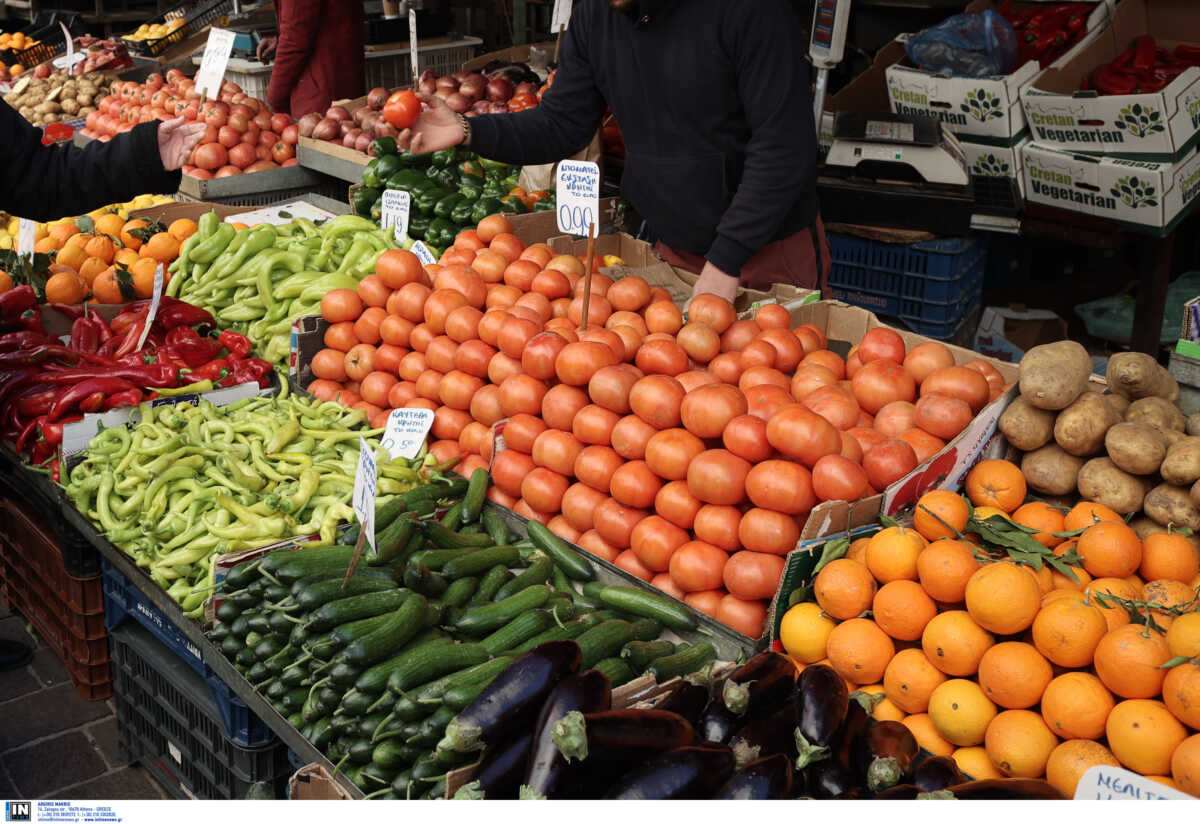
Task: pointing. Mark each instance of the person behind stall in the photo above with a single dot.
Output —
(714, 102)
(318, 55)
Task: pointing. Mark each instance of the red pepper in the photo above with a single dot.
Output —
(25, 339)
(83, 391)
(153, 375)
(248, 370)
(238, 345)
(16, 301)
(27, 432)
(67, 309)
(132, 339)
(54, 470)
(1144, 53)
(52, 433)
(42, 452)
(130, 397)
(1110, 80)
(180, 313)
(85, 337)
(215, 370)
(92, 403)
(38, 355)
(31, 320)
(34, 400)
(13, 381)
(1188, 54)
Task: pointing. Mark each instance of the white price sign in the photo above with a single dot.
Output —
(70, 58)
(406, 431)
(423, 254)
(212, 66)
(562, 15)
(1116, 784)
(412, 43)
(365, 480)
(397, 206)
(155, 300)
(577, 186)
(26, 236)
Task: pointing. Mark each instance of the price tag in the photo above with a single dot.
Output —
(212, 65)
(26, 236)
(406, 431)
(577, 185)
(68, 60)
(562, 15)
(423, 254)
(412, 43)
(1116, 784)
(365, 479)
(155, 300)
(397, 206)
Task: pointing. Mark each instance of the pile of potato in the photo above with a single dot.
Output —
(58, 97)
(1129, 448)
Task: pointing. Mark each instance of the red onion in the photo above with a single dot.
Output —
(460, 76)
(472, 89)
(447, 83)
(358, 114)
(458, 103)
(337, 113)
(499, 90)
(377, 97)
(482, 107)
(346, 126)
(525, 88)
(369, 121)
(427, 83)
(444, 93)
(326, 129)
(476, 77)
(362, 142)
(351, 137)
(385, 129)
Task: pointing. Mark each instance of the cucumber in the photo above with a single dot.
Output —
(389, 754)
(449, 539)
(218, 633)
(639, 654)
(575, 565)
(494, 526)
(431, 693)
(667, 611)
(343, 724)
(321, 733)
(617, 672)
(401, 783)
(244, 599)
(314, 556)
(356, 703)
(407, 709)
(517, 631)
(482, 560)
(349, 632)
(343, 674)
(421, 579)
(228, 611)
(561, 608)
(274, 593)
(481, 620)
(453, 517)
(459, 698)
(293, 699)
(684, 661)
(296, 569)
(490, 584)
(359, 753)
(231, 646)
(335, 613)
(375, 679)
(258, 623)
(240, 627)
(245, 657)
(253, 639)
(538, 573)
(377, 778)
(389, 638)
(460, 591)
(332, 590)
(572, 629)
(603, 641)
(646, 629)
(294, 676)
(426, 768)
(275, 690)
(438, 558)
(432, 659)
(279, 623)
(473, 500)
(242, 575)
(430, 730)
(258, 673)
(561, 583)
(367, 724)
(382, 574)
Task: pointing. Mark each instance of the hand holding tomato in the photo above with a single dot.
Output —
(401, 109)
(176, 140)
(434, 128)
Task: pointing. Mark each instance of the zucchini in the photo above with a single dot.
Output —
(375, 679)
(258, 673)
(427, 768)
(449, 539)
(245, 657)
(401, 784)
(473, 500)
(244, 599)
(639, 654)
(604, 641)
(490, 617)
(572, 629)
(367, 724)
(428, 661)
(490, 584)
(218, 633)
(482, 560)
(684, 661)
(400, 628)
(359, 753)
(321, 733)
(231, 646)
(617, 672)
(667, 611)
(293, 676)
(242, 575)
(538, 573)
(460, 591)
(517, 631)
(376, 778)
(293, 699)
(575, 565)
(279, 623)
(240, 627)
(322, 593)
(494, 526)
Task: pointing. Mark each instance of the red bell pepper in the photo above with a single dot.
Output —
(85, 336)
(180, 313)
(238, 345)
(215, 370)
(16, 301)
(1144, 53)
(248, 370)
(129, 397)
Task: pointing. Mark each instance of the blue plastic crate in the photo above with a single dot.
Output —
(123, 600)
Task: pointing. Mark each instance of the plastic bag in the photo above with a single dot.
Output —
(978, 44)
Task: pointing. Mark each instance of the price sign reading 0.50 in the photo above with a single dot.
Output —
(578, 191)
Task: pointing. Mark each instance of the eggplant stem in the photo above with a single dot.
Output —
(808, 753)
(469, 792)
(936, 795)
(735, 696)
(570, 736)
(883, 773)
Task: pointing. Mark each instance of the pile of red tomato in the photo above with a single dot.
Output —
(242, 134)
(686, 451)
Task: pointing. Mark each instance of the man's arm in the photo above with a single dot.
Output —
(781, 154)
(298, 24)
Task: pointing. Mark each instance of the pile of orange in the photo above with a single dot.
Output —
(95, 264)
(1014, 671)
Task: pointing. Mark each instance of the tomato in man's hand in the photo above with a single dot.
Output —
(401, 109)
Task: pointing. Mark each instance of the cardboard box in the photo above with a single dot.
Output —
(539, 227)
(1146, 195)
(1008, 332)
(990, 160)
(981, 106)
(312, 783)
(1162, 126)
(169, 212)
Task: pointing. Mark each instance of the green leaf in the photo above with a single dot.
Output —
(86, 225)
(125, 283)
(888, 521)
(1174, 662)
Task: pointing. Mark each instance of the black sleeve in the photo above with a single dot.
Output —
(48, 182)
(781, 155)
(564, 123)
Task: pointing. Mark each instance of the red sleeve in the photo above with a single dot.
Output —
(298, 24)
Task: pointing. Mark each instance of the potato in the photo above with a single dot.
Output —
(1053, 375)
(85, 101)
(1136, 375)
(1118, 403)
(1181, 466)
(1051, 470)
(1103, 482)
(1025, 426)
(1170, 505)
(1136, 448)
(70, 106)
(1192, 425)
(1143, 526)
(1157, 412)
(1172, 436)
(1080, 428)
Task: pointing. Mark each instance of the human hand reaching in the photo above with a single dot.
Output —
(715, 282)
(265, 48)
(437, 128)
(176, 139)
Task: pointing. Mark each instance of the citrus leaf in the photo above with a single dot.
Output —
(1174, 662)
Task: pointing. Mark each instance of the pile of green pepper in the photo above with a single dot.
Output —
(258, 280)
(188, 483)
(451, 190)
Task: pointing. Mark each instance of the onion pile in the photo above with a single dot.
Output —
(353, 129)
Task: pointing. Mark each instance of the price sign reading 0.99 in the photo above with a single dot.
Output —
(578, 190)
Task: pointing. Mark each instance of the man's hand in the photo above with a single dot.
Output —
(266, 48)
(176, 139)
(437, 128)
(715, 282)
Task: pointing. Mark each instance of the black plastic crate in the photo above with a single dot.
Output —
(167, 708)
(196, 17)
(45, 502)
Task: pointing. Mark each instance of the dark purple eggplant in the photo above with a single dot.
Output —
(584, 692)
(827, 778)
(773, 734)
(883, 755)
(1005, 789)
(856, 720)
(824, 701)
(758, 686)
(767, 779)
(688, 700)
(514, 698)
(499, 774)
(687, 772)
(937, 772)
(718, 724)
(619, 735)
(900, 792)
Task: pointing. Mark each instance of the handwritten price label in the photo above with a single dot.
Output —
(155, 300)
(423, 254)
(365, 480)
(406, 431)
(561, 17)
(397, 207)
(578, 186)
(212, 65)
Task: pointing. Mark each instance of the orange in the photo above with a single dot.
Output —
(240, 226)
(974, 762)
(1185, 765)
(844, 589)
(1076, 705)
(45, 246)
(106, 289)
(884, 710)
(922, 728)
(71, 255)
(1003, 597)
(1115, 615)
(892, 554)
(101, 247)
(1063, 595)
(961, 712)
(1165, 780)
(804, 632)
(940, 514)
(1019, 743)
(182, 229)
(91, 267)
(65, 287)
(1128, 659)
(162, 247)
(982, 513)
(1167, 593)
(910, 679)
(1014, 675)
(1110, 550)
(944, 567)
(1067, 632)
(79, 240)
(1044, 578)
(1086, 513)
(996, 483)
(143, 277)
(858, 550)
(1169, 555)
(1042, 517)
(109, 223)
(1079, 577)
(902, 609)
(62, 231)
(1071, 759)
(1142, 735)
(1181, 693)
(5, 281)
(131, 241)
(1183, 636)
(859, 650)
(126, 257)
(954, 643)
